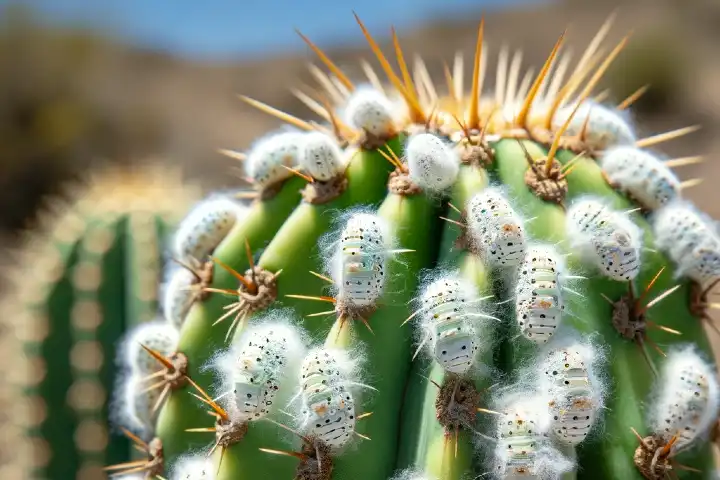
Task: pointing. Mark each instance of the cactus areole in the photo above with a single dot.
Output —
(444, 285)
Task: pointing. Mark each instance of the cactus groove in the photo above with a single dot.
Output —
(503, 304)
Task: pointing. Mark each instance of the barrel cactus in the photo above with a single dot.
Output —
(446, 286)
(88, 272)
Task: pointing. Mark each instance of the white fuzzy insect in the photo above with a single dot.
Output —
(432, 164)
(369, 110)
(690, 238)
(137, 405)
(687, 398)
(328, 405)
(178, 296)
(605, 127)
(193, 467)
(495, 228)
(539, 293)
(202, 230)
(259, 366)
(160, 336)
(522, 450)
(411, 474)
(269, 156)
(320, 156)
(574, 394)
(450, 318)
(359, 263)
(642, 175)
(607, 236)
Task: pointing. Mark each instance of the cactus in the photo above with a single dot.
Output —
(465, 286)
(86, 275)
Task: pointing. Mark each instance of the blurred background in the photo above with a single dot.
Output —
(88, 84)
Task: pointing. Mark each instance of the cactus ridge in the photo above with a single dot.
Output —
(467, 212)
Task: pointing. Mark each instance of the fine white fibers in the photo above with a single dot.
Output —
(204, 228)
(328, 404)
(451, 320)
(178, 296)
(574, 393)
(267, 159)
(411, 474)
(193, 467)
(260, 365)
(330, 367)
(690, 238)
(687, 397)
(159, 336)
(320, 156)
(359, 261)
(605, 127)
(642, 175)
(432, 164)
(495, 229)
(369, 110)
(523, 449)
(606, 236)
(133, 406)
(538, 293)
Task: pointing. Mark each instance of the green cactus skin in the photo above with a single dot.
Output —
(389, 347)
(367, 178)
(424, 444)
(103, 259)
(291, 231)
(403, 427)
(198, 338)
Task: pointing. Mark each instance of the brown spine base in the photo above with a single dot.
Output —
(550, 186)
(368, 141)
(456, 404)
(316, 464)
(270, 191)
(318, 193)
(228, 433)
(399, 183)
(651, 461)
(266, 289)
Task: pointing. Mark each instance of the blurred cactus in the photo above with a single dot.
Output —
(87, 273)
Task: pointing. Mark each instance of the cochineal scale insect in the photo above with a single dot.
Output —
(690, 239)
(320, 156)
(359, 263)
(328, 405)
(688, 397)
(608, 236)
(369, 110)
(519, 435)
(159, 336)
(495, 229)
(450, 317)
(538, 293)
(523, 449)
(270, 158)
(574, 398)
(599, 126)
(204, 228)
(264, 354)
(642, 175)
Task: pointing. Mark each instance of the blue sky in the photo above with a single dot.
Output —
(228, 28)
